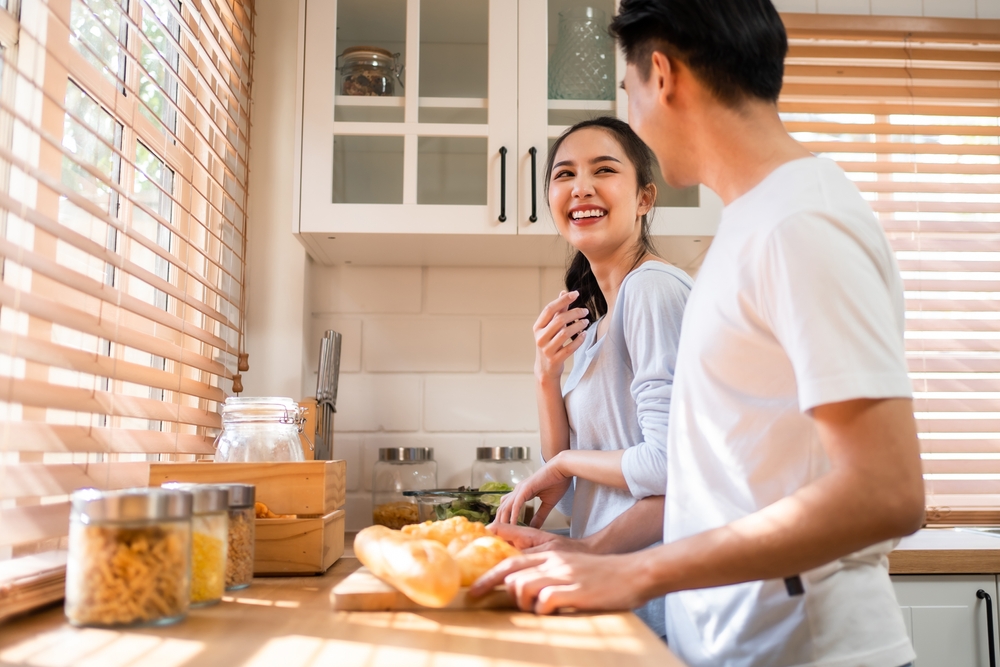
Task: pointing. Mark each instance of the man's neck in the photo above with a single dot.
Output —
(739, 149)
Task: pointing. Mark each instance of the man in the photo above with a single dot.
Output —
(793, 460)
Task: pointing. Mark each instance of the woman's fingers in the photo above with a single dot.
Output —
(561, 336)
(560, 304)
(541, 514)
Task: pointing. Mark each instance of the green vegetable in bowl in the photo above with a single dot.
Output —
(474, 505)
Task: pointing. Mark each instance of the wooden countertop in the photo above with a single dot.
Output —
(946, 551)
(288, 622)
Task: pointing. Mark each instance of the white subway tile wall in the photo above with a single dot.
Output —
(988, 9)
(968, 9)
(432, 357)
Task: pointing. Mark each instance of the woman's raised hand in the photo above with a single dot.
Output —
(554, 330)
(549, 484)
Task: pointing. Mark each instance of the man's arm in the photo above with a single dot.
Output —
(873, 492)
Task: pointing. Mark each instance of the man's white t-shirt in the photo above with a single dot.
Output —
(798, 303)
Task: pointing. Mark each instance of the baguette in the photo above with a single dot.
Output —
(421, 569)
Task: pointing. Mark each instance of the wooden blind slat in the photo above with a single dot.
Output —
(26, 436)
(40, 480)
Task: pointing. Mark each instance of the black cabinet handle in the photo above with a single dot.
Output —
(503, 184)
(534, 185)
(983, 595)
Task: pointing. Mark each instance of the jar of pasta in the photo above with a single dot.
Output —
(129, 557)
(401, 469)
(239, 556)
(209, 540)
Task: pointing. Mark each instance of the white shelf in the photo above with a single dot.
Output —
(400, 102)
(581, 105)
(348, 128)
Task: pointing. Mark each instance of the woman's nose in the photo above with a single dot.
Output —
(582, 187)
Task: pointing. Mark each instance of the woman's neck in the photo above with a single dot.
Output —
(610, 271)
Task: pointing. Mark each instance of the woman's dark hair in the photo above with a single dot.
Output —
(579, 275)
(736, 48)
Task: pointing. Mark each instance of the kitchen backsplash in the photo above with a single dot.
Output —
(435, 356)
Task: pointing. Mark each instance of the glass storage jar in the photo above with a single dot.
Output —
(129, 557)
(583, 64)
(260, 429)
(507, 465)
(242, 520)
(401, 469)
(209, 538)
(369, 71)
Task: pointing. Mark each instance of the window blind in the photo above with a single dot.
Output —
(909, 109)
(123, 157)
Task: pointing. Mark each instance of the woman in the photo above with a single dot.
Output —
(604, 433)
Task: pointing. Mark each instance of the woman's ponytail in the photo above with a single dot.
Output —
(581, 278)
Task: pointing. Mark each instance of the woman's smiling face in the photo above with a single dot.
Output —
(593, 194)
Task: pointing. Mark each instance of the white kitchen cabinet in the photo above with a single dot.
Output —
(419, 177)
(944, 618)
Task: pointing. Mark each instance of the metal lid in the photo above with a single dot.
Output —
(241, 495)
(274, 409)
(93, 506)
(503, 453)
(406, 454)
(208, 498)
(366, 51)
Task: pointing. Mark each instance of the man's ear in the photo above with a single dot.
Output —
(662, 72)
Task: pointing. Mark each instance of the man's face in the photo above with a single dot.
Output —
(658, 124)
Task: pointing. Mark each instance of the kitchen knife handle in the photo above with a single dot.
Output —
(503, 184)
(983, 595)
(534, 184)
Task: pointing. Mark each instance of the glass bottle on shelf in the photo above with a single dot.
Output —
(583, 65)
(401, 469)
(369, 71)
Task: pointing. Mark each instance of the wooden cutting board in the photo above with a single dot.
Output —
(363, 591)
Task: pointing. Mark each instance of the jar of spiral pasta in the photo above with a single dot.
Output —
(129, 558)
(401, 469)
(242, 519)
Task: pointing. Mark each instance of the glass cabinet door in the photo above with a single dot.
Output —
(569, 70)
(409, 107)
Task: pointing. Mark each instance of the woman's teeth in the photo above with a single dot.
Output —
(592, 213)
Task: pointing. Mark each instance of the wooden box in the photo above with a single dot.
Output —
(314, 491)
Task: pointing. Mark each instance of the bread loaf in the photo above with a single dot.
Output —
(421, 569)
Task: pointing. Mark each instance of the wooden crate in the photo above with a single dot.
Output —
(314, 491)
(298, 546)
(302, 487)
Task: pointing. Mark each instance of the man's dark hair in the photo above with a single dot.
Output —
(736, 48)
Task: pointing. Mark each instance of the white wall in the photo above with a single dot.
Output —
(967, 9)
(432, 356)
(276, 292)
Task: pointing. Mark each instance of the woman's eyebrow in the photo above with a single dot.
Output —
(605, 158)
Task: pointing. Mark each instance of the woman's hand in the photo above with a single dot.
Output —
(555, 326)
(549, 484)
(533, 540)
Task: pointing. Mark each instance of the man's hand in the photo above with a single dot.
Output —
(547, 582)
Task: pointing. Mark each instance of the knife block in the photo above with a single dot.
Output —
(314, 491)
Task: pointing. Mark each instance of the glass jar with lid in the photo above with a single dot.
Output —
(508, 465)
(504, 465)
(401, 469)
(129, 560)
(261, 429)
(209, 540)
(240, 550)
(369, 71)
